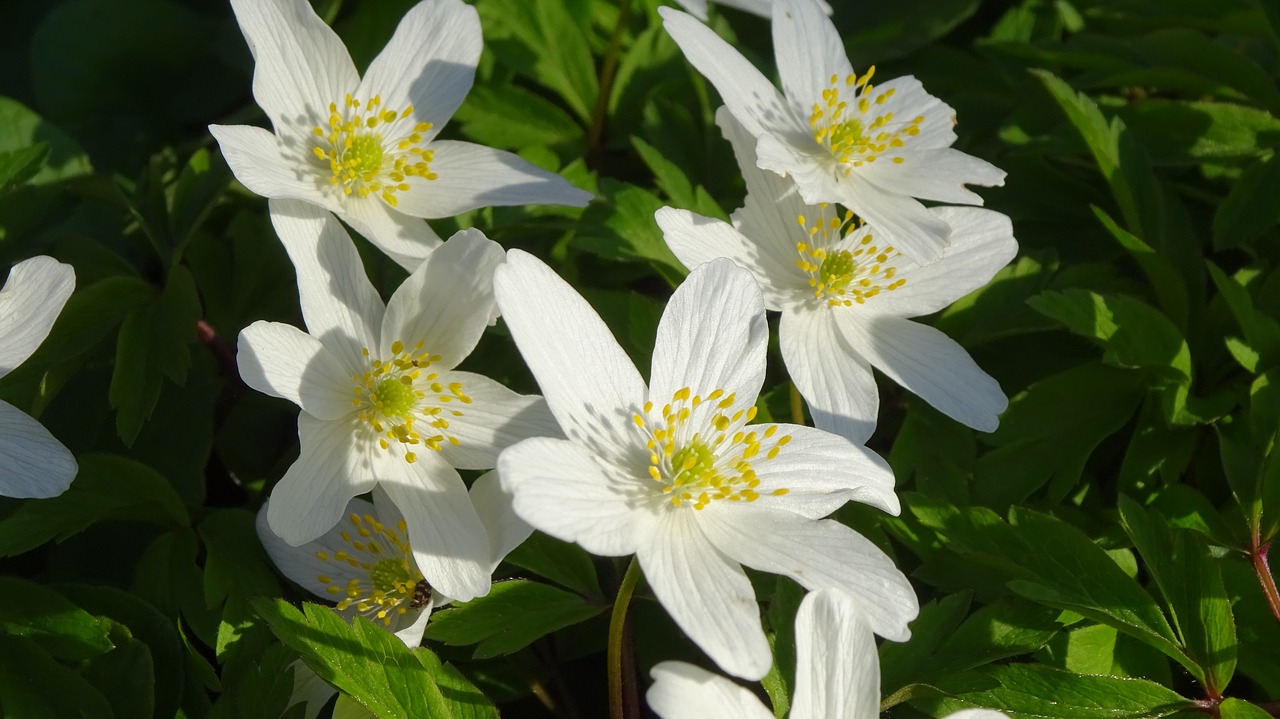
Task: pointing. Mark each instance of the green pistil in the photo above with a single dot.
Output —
(694, 464)
(394, 397)
(365, 154)
(391, 576)
(837, 269)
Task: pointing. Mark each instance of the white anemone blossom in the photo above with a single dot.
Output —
(366, 567)
(763, 8)
(673, 473)
(837, 674)
(382, 404)
(366, 148)
(846, 294)
(871, 148)
(33, 464)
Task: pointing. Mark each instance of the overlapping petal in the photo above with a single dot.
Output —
(835, 381)
(712, 335)
(33, 463)
(587, 379)
(683, 691)
(495, 419)
(809, 53)
(283, 361)
(820, 471)
(313, 493)
(817, 554)
(707, 594)
(837, 668)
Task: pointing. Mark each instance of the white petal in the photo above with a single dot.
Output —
(683, 691)
(706, 593)
(940, 175)
(496, 507)
(590, 384)
(309, 689)
(449, 542)
(429, 63)
(809, 52)
(712, 335)
(301, 564)
(410, 626)
(752, 99)
(495, 419)
(339, 303)
(817, 554)
(897, 219)
(834, 380)
(930, 364)
(769, 216)
(447, 302)
(977, 714)
(837, 667)
(33, 463)
(696, 240)
(698, 8)
(470, 176)
(820, 469)
(312, 495)
(981, 243)
(910, 100)
(300, 65)
(263, 165)
(560, 489)
(813, 170)
(406, 240)
(31, 300)
(283, 361)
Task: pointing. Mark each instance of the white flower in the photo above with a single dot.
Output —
(837, 674)
(874, 149)
(33, 464)
(381, 401)
(673, 473)
(845, 294)
(365, 563)
(365, 148)
(763, 8)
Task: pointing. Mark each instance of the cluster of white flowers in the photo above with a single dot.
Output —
(674, 470)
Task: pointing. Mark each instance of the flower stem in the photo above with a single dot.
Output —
(1258, 553)
(607, 71)
(797, 405)
(617, 634)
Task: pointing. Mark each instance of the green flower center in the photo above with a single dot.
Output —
(852, 125)
(394, 397)
(375, 573)
(365, 154)
(837, 269)
(844, 277)
(372, 149)
(404, 403)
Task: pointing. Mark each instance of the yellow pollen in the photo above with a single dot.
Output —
(386, 579)
(842, 263)
(854, 127)
(370, 149)
(695, 468)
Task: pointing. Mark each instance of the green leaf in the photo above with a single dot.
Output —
(1240, 709)
(512, 118)
(34, 686)
(1028, 691)
(671, 179)
(510, 617)
(1009, 628)
(22, 131)
(126, 677)
(1246, 212)
(1189, 133)
(622, 228)
(44, 616)
(108, 487)
(465, 700)
(154, 342)
(1051, 429)
(363, 660)
(200, 184)
(1261, 331)
(1189, 580)
(910, 661)
(1160, 272)
(563, 563)
(18, 166)
(264, 690)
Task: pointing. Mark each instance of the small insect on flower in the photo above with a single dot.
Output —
(421, 595)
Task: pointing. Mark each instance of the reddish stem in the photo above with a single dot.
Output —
(210, 338)
(1258, 553)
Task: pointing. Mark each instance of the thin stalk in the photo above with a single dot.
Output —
(1258, 553)
(617, 635)
(797, 405)
(607, 71)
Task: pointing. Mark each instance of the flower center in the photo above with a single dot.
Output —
(699, 451)
(852, 125)
(371, 149)
(382, 555)
(404, 404)
(843, 267)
